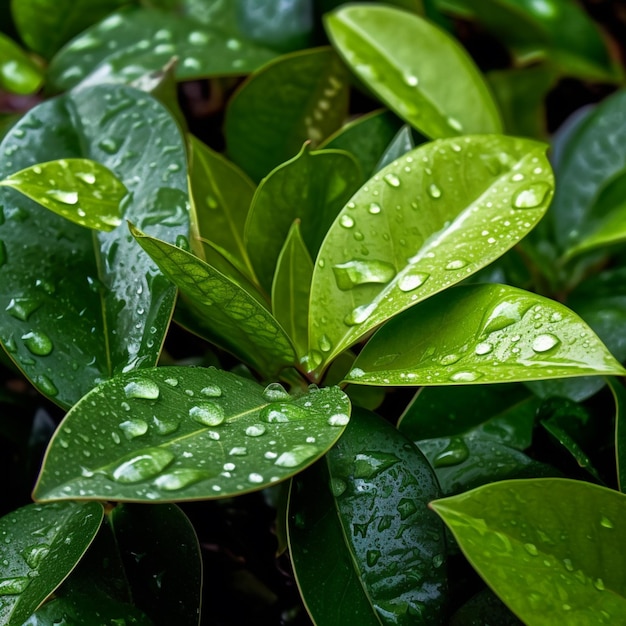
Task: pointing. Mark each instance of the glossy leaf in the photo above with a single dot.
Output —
(222, 195)
(232, 316)
(502, 412)
(291, 289)
(552, 549)
(266, 124)
(619, 395)
(131, 43)
(18, 72)
(403, 58)
(312, 187)
(429, 220)
(46, 25)
(493, 333)
(166, 582)
(82, 191)
(364, 547)
(41, 545)
(398, 146)
(178, 433)
(78, 305)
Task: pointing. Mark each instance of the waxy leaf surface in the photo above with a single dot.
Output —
(129, 44)
(41, 545)
(299, 97)
(179, 433)
(82, 191)
(416, 69)
(78, 305)
(619, 395)
(493, 333)
(423, 223)
(18, 72)
(232, 316)
(364, 546)
(552, 549)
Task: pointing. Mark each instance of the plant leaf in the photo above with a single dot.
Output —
(398, 146)
(36, 554)
(402, 58)
(483, 608)
(552, 549)
(291, 289)
(80, 190)
(619, 395)
(462, 203)
(232, 316)
(494, 333)
(364, 548)
(18, 72)
(179, 433)
(267, 124)
(311, 187)
(131, 43)
(77, 306)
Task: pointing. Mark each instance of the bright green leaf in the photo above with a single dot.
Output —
(364, 547)
(18, 72)
(41, 545)
(428, 220)
(552, 549)
(416, 69)
(234, 318)
(291, 289)
(493, 333)
(299, 97)
(179, 433)
(311, 187)
(80, 190)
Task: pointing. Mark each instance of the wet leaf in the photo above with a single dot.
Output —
(41, 545)
(18, 72)
(619, 395)
(398, 146)
(312, 187)
(291, 289)
(493, 333)
(429, 220)
(232, 316)
(129, 44)
(503, 412)
(82, 191)
(266, 124)
(552, 549)
(93, 304)
(364, 547)
(179, 433)
(402, 58)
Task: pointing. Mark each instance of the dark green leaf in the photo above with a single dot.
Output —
(311, 187)
(77, 306)
(552, 549)
(41, 545)
(425, 222)
(399, 146)
(18, 72)
(493, 333)
(416, 69)
(232, 316)
(129, 44)
(82, 191)
(483, 608)
(619, 395)
(364, 547)
(179, 433)
(291, 289)
(299, 97)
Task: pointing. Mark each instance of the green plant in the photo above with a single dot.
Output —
(331, 267)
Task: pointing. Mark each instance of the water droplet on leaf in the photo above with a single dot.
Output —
(545, 342)
(179, 479)
(142, 388)
(33, 555)
(454, 453)
(296, 456)
(361, 272)
(412, 279)
(134, 428)
(207, 413)
(532, 196)
(13, 586)
(38, 343)
(274, 392)
(143, 465)
(337, 486)
(392, 180)
(434, 191)
(211, 391)
(255, 430)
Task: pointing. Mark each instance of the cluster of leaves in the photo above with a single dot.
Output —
(329, 262)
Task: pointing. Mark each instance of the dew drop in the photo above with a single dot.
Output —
(531, 548)
(374, 208)
(411, 80)
(198, 38)
(338, 419)
(505, 314)
(532, 196)
(392, 180)
(255, 430)
(412, 279)
(465, 376)
(255, 478)
(34, 555)
(46, 385)
(238, 451)
(110, 146)
(337, 486)
(134, 428)
(370, 464)
(179, 479)
(296, 456)
(211, 391)
(406, 507)
(598, 583)
(87, 177)
(13, 586)
(455, 124)
(38, 343)
(64, 197)
(372, 557)
(142, 465)
(449, 359)
(456, 264)
(434, 191)
(172, 382)
(22, 308)
(324, 343)
(346, 221)
(545, 342)
(274, 392)
(454, 453)
(358, 315)
(142, 388)
(606, 522)
(483, 348)
(207, 413)
(362, 272)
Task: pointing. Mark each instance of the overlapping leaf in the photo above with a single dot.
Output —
(619, 395)
(416, 69)
(74, 305)
(493, 333)
(425, 222)
(18, 72)
(177, 433)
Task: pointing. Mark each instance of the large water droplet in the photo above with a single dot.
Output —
(142, 465)
(531, 548)
(434, 191)
(22, 308)
(296, 456)
(275, 414)
(142, 388)
(406, 508)
(64, 197)
(456, 264)
(38, 343)
(453, 454)
(532, 196)
(465, 376)
(338, 419)
(346, 221)
(505, 314)
(370, 464)
(337, 486)
(13, 586)
(392, 180)
(179, 479)
(134, 428)
(545, 342)
(324, 343)
(207, 413)
(483, 348)
(165, 425)
(255, 430)
(211, 391)
(361, 272)
(358, 315)
(412, 279)
(46, 385)
(372, 557)
(275, 392)
(374, 208)
(255, 478)
(34, 555)
(606, 522)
